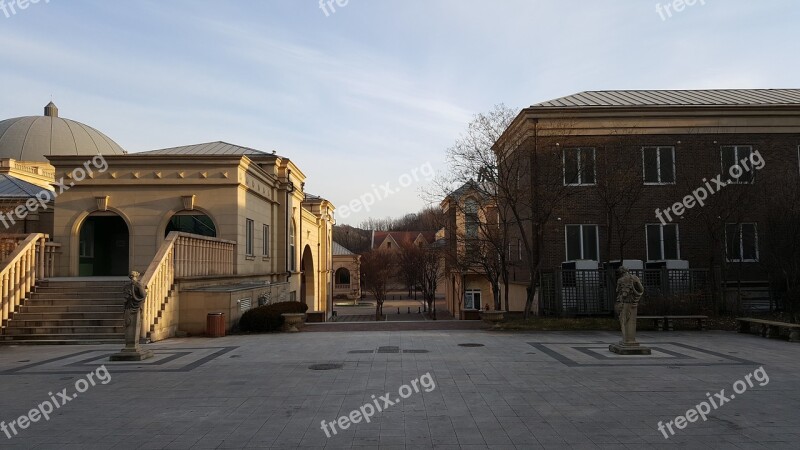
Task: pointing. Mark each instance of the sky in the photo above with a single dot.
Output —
(366, 97)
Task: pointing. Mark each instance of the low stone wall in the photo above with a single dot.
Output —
(197, 300)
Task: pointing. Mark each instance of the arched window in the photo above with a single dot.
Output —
(342, 278)
(191, 222)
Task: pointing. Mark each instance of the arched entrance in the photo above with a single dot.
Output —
(307, 289)
(103, 249)
(191, 222)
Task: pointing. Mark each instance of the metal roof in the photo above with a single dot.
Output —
(34, 138)
(339, 250)
(217, 148)
(11, 187)
(716, 97)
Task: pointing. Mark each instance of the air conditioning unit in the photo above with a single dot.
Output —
(676, 264)
(630, 264)
(583, 264)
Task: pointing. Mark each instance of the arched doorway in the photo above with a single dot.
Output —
(307, 289)
(191, 222)
(103, 249)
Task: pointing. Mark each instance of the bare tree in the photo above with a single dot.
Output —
(408, 265)
(471, 157)
(431, 265)
(619, 188)
(377, 267)
(780, 197)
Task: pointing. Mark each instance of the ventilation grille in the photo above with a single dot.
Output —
(245, 304)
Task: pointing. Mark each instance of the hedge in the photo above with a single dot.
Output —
(268, 318)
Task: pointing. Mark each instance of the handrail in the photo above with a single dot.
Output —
(182, 255)
(22, 269)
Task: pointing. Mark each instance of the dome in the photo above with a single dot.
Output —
(34, 138)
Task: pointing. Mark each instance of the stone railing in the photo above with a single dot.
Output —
(182, 255)
(31, 261)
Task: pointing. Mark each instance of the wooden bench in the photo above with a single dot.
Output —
(769, 328)
(662, 322)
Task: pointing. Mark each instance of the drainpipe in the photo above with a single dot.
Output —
(288, 223)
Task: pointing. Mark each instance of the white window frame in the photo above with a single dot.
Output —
(726, 171)
(661, 240)
(566, 241)
(741, 243)
(580, 172)
(659, 148)
(249, 232)
(472, 292)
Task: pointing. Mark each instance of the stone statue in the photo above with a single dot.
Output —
(629, 292)
(135, 295)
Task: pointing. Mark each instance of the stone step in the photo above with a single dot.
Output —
(69, 316)
(74, 301)
(63, 339)
(57, 293)
(61, 323)
(13, 330)
(77, 308)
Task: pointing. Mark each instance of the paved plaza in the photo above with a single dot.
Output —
(468, 389)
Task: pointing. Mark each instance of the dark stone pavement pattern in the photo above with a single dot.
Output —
(517, 391)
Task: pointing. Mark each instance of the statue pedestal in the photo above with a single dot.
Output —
(132, 351)
(132, 354)
(630, 348)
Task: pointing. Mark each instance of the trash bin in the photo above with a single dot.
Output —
(215, 325)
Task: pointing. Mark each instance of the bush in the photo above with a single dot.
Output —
(268, 318)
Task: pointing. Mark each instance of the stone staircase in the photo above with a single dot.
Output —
(69, 312)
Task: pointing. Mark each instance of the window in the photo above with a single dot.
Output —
(472, 299)
(579, 166)
(582, 242)
(733, 156)
(191, 222)
(659, 165)
(249, 231)
(741, 242)
(292, 251)
(267, 238)
(471, 218)
(663, 242)
(342, 278)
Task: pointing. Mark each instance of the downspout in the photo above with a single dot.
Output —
(288, 224)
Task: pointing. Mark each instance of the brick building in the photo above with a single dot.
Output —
(660, 147)
(661, 179)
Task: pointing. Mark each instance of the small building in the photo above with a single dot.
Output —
(346, 273)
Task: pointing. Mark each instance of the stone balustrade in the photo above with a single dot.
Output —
(31, 260)
(182, 255)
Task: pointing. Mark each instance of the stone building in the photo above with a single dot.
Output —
(199, 216)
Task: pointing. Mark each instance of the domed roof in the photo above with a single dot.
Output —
(34, 138)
